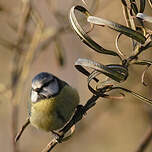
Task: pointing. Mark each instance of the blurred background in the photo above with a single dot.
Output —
(44, 41)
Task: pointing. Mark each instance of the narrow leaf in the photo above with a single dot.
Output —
(124, 3)
(83, 35)
(118, 27)
(138, 96)
(109, 71)
(134, 8)
(142, 6)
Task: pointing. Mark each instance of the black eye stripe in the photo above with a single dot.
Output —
(47, 83)
(44, 85)
(37, 89)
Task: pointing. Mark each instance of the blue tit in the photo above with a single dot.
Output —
(53, 102)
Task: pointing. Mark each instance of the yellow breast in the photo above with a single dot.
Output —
(52, 114)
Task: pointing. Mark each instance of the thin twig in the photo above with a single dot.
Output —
(23, 75)
(145, 141)
(16, 69)
(25, 14)
(22, 129)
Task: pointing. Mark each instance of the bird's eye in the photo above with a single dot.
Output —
(37, 89)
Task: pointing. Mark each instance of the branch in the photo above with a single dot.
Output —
(22, 129)
(79, 113)
(145, 141)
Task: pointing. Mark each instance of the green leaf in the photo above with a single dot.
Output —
(138, 96)
(134, 8)
(118, 27)
(83, 35)
(115, 72)
(124, 3)
(143, 62)
(142, 6)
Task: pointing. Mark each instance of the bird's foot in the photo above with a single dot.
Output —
(58, 136)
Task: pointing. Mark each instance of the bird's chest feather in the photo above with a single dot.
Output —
(43, 115)
(52, 114)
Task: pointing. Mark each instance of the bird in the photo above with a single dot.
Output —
(52, 103)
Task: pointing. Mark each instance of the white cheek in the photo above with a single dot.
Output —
(34, 96)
